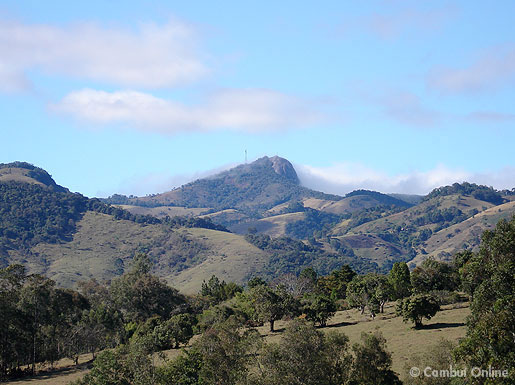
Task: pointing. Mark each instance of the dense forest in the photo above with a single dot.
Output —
(123, 322)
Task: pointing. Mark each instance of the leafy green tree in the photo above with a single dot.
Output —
(141, 295)
(177, 330)
(255, 281)
(357, 293)
(183, 370)
(35, 299)
(434, 275)
(372, 363)
(417, 307)
(491, 326)
(471, 271)
(224, 350)
(219, 291)
(271, 305)
(310, 274)
(14, 323)
(335, 284)
(318, 308)
(379, 289)
(399, 278)
(305, 356)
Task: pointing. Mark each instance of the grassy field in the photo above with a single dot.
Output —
(402, 340)
(232, 259)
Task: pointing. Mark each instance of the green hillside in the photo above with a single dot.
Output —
(251, 188)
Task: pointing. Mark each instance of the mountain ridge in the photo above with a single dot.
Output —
(71, 237)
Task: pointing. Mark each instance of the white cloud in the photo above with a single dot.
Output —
(248, 110)
(159, 182)
(491, 70)
(153, 56)
(342, 178)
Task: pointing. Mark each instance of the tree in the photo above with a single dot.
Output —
(218, 291)
(318, 308)
(184, 370)
(305, 356)
(335, 284)
(177, 330)
(434, 275)
(224, 351)
(271, 305)
(372, 363)
(491, 326)
(370, 291)
(35, 299)
(417, 307)
(140, 294)
(399, 278)
(379, 288)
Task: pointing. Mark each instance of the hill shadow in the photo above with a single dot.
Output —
(442, 325)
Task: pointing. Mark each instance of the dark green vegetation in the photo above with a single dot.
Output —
(139, 315)
(250, 188)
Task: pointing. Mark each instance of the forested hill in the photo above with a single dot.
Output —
(251, 188)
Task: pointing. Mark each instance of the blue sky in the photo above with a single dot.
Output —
(126, 97)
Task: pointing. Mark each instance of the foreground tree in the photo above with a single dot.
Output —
(141, 295)
(305, 356)
(417, 307)
(491, 327)
(400, 281)
(224, 353)
(372, 362)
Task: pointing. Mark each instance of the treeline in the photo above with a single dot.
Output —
(31, 214)
(289, 255)
(483, 193)
(138, 315)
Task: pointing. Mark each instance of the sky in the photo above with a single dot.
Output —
(139, 97)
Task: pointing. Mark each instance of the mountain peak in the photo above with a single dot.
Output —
(281, 167)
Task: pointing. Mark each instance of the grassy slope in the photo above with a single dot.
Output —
(441, 244)
(96, 248)
(345, 205)
(466, 234)
(274, 226)
(17, 175)
(402, 340)
(103, 246)
(233, 259)
(465, 204)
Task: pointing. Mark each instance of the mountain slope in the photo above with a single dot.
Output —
(250, 188)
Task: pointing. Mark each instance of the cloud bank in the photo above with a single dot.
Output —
(246, 110)
(342, 178)
(153, 56)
